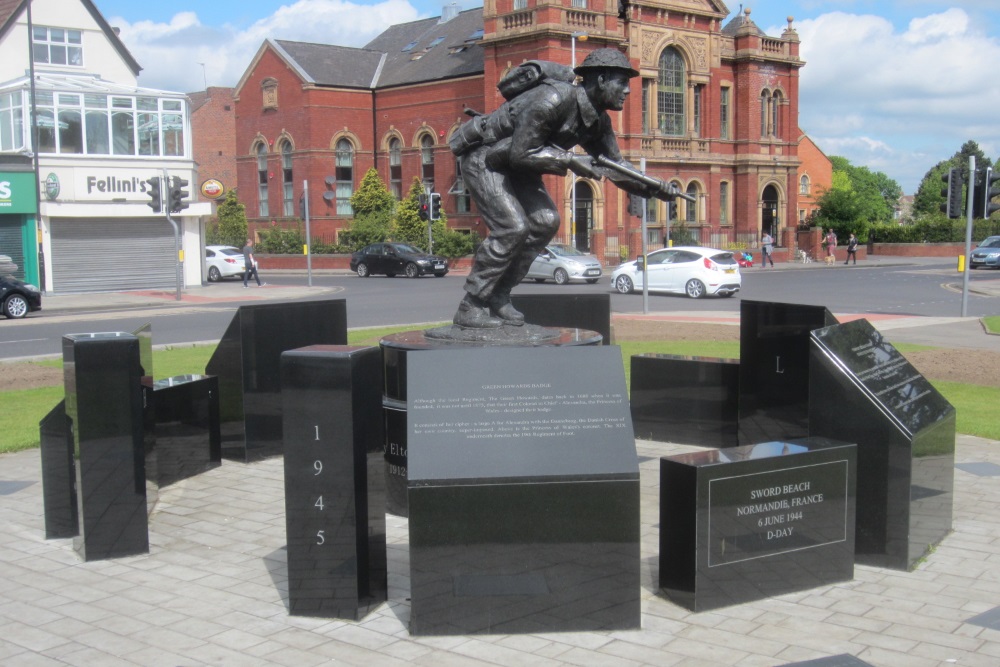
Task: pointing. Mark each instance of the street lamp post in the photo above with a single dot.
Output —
(582, 36)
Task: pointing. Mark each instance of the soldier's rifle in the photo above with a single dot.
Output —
(661, 189)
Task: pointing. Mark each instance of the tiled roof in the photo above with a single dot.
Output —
(425, 50)
(328, 65)
(437, 50)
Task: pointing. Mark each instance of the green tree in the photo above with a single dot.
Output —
(928, 199)
(369, 228)
(372, 195)
(231, 225)
(409, 228)
(858, 197)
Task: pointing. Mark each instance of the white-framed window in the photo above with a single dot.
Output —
(724, 113)
(396, 168)
(462, 197)
(56, 46)
(427, 162)
(12, 115)
(107, 124)
(691, 208)
(724, 202)
(804, 185)
(670, 91)
(345, 176)
(287, 180)
(520, 4)
(262, 208)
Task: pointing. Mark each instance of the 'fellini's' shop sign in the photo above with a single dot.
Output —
(113, 184)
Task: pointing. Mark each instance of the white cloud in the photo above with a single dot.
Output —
(170, 53)
(905, 99)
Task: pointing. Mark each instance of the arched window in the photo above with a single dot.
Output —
(804, 185)
(345, 176)
(427, 162)
(287, 183)
(396, 168)
(691, 208)
(764, 97)
(670, 93)
(775, 117)
(262, 209)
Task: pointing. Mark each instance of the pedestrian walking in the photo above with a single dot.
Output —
(852, 249)
(831, 247)
(766, 248)
(250, 265)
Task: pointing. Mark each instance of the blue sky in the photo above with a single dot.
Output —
(895, 85)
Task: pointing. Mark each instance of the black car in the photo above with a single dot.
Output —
(392, 259)
(18, 298)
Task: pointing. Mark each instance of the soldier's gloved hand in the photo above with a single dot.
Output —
(583, 165)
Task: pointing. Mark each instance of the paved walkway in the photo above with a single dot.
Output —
(213, 591)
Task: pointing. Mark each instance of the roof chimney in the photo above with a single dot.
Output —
(449, 12)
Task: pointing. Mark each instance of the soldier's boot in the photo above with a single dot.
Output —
(501, 306)
(474, 313)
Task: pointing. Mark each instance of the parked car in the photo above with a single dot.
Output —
(393, 259)
(18, 298)
(986, 254)
(563, 263)
(690, 270)
(224, 261)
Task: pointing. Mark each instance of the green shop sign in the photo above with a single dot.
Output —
(17, 192)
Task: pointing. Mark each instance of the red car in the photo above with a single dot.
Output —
(745, 260)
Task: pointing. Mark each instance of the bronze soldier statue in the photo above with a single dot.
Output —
(504, 155)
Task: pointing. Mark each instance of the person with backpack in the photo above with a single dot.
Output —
(505, 154)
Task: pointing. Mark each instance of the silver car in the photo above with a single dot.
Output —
(986, 254)
(563, 263)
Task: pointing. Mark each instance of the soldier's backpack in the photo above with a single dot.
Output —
(529, 74)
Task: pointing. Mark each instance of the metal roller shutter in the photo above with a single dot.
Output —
(90, 255)
(12, 244)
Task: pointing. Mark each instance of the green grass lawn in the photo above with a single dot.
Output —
(22, 410)
(992, 324)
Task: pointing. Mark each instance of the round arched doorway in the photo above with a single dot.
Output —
(769, 219)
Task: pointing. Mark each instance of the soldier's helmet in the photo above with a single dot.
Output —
(606, 59)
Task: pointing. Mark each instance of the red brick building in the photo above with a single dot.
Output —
(213, 122)
(815, 177)
(715, 110)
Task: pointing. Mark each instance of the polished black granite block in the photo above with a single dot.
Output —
(188, 437)
(145, 336)
(104, 408)
(746, 523)
(396, 349)
(247, 362)
(523, 492)
(576, 311)
(685, 400)
(861, 389)
(334, 480)
(774, 369)
(58, 474)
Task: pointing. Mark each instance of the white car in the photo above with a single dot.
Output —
(563, 263)
(690, 270)
(223, 261)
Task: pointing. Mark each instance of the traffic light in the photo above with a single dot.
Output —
(423, 208)
(177, 194)
(982, 206)
(953, 193)
(636, 205)
(671, 210)
(155, 194)
(435, 206)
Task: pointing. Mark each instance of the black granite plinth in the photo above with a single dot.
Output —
(774, 369)
(58, 474)
(863, 390)
(395, 349)
(188, 437)
(104, 407)
(751, 522)
(334, 480)
(686, 400)
(591, 312)
(145, 336)
(247, 362)
(523, 492)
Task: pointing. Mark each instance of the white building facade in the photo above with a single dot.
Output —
(100, 138)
